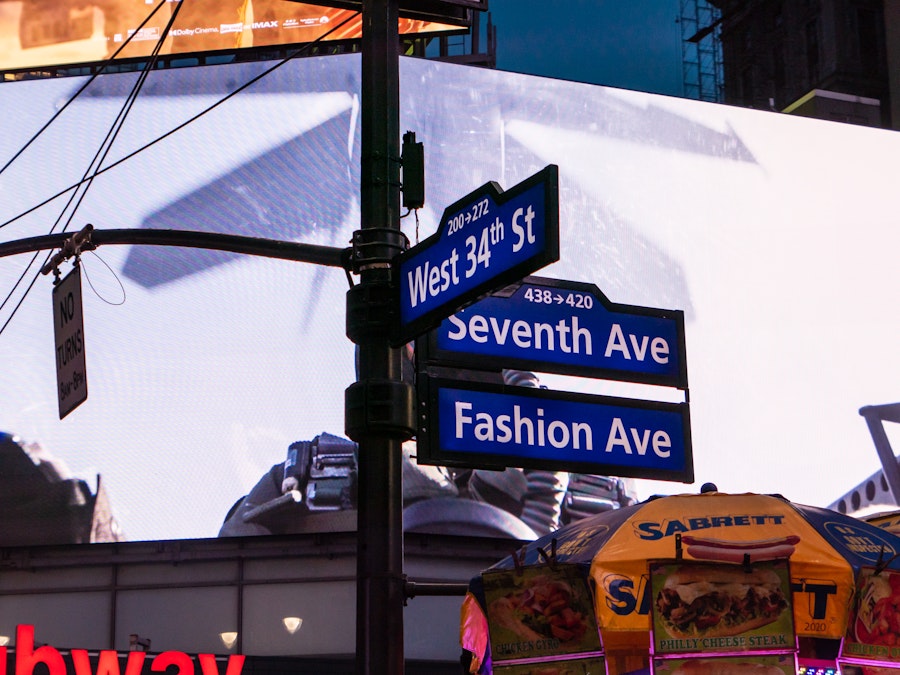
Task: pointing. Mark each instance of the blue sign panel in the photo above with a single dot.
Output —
(479, 424)
(485, 240)
(566, 327)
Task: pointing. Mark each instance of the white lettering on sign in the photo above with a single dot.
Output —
(522, 430)
(524, 233)
(644, 439)
(470, 215)
(566, 335)
(430, 280)
(658, 347)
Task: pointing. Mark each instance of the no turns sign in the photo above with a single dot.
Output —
(68, 324)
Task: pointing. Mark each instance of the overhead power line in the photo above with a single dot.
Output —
(89, 176)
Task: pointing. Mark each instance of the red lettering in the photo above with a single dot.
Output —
(27, 657)
(108, 663)
(209, 667)
(178, 659)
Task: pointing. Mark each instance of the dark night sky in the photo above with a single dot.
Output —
(631, 44)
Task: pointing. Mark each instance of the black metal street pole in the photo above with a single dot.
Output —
(379, 406)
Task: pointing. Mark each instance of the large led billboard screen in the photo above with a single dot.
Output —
(774, 235)
(46, 33)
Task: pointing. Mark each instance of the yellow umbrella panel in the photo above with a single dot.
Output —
(825, 550)
(721, 527)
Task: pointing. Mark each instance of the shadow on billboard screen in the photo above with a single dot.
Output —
(210, 373)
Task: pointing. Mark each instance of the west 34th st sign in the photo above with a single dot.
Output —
(485, 240)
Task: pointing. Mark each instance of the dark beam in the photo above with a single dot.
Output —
(269, 248)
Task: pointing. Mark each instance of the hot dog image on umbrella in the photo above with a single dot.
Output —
(744, 552)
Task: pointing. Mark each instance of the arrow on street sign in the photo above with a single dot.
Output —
(481, 424)
(485, 240)
(565, 327)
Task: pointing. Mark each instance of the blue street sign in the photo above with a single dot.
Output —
(479, 424)
(486, 240)
(566, 327)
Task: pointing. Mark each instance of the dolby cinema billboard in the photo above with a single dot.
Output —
(774, 235)
(42, 33)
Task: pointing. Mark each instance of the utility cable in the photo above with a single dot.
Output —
(97, 160)
(35, 137)
(107, 143)
(297, 52)
(188, 121)
(81, 89)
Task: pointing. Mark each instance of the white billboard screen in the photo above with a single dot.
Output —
(774, 235)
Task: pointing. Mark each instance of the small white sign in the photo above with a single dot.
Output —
(68, 325)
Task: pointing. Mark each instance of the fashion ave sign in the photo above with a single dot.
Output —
(491, 425)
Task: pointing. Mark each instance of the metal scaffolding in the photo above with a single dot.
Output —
(701, 50)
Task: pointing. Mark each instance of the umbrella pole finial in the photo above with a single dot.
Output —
(882, 564)
(549, 559)
(519, 560)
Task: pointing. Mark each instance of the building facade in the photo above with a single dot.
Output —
(829, 59)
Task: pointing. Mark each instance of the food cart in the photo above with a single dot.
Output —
(824, 552)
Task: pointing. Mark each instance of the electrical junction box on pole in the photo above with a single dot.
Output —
(68, 325)
(485, 240)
